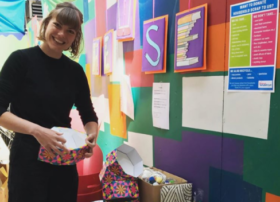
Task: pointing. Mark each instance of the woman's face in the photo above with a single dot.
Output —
(59, 37)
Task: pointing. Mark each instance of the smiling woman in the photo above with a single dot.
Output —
(41, 85)
(61, 30)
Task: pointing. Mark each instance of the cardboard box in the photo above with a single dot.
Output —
(151, 193)
(4, 169)
(119, 174)
(75, 143)
(4, 194)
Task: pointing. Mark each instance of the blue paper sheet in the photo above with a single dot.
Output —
(12, 16)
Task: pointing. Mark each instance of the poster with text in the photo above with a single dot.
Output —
(96, 56)
(126, 12)
(108, 52)
(253, 42)
(155, 45)
(190, 39)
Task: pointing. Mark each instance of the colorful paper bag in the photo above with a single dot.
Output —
(75, 142)
(119, 174)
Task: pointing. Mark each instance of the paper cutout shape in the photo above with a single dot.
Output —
(99, 105)
(4, 152)
(143, 143)
(119, 174)
(127, 104)
(203, 95)
(110, 3)
(75, 143)
(117, 118)
(155, 45)
(190, 39)
(88, 75)
(76, 122)
(118, 60)
(100, 17)
(108, 52)
(126, 13)
(96, 56)
(33, 31)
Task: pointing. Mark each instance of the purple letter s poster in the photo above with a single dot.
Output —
(154, 45)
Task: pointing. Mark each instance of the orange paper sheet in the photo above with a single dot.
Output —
(272, 198)
(88, 75)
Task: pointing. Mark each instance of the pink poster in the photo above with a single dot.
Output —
(264, 27)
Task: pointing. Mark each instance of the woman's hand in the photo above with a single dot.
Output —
(51, 141)
(92, 130)
(91, 143)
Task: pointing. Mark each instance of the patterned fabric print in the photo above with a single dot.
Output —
(116, 184)
(81, 153)
(120, 189)
(68, 159)
(109, 177)
(116, 169)
(133, 189)
(111, 157)
(108, 191)
(176, 193)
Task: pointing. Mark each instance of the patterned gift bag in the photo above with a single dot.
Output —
(75, 154)
(116, 184)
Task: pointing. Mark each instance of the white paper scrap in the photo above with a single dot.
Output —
(99, 108)
(127, 104)
(4, 152)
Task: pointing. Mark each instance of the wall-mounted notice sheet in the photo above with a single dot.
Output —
(253, 45)
(160, 105)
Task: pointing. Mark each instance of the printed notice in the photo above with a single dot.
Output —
(253, 41)
(240, 41)
(160, 105)
(264, 38)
